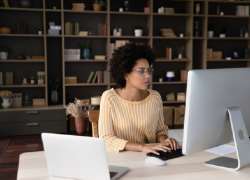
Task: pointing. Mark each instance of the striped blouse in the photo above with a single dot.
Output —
(122, 121)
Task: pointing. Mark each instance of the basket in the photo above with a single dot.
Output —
(16, 100)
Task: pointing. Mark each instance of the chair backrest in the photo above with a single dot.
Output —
(93, 118)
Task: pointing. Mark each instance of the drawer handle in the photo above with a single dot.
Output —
(32, 124)
(32, 112)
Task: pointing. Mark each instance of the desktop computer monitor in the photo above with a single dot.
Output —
(218, 112)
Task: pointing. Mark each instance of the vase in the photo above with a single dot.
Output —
(24, 81)
(87, 53)
(138, 32)
(3, 55)
(25, 3)
(179, 56)
(197, 8)
(97, 7)
(32, 81)
(54, 97)
(6, 103)
(40, 32)
(210, 33)
(81, 125)
(126, 4)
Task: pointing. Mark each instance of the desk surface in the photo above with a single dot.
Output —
(33, 166)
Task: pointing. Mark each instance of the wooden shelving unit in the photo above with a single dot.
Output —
(52, 46)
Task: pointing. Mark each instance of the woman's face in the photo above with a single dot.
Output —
(139, 77)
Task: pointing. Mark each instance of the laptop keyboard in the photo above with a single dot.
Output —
(167, 155)
(112, 174)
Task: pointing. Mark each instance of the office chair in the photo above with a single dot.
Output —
(93, 118)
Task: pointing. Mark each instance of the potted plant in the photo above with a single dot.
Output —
(80, 112)
(86, 49)
(98, 4)
(4, 51)
(53, 86)
(32, 79)
(6, 95)
(210, 30)
(40, 31)
(138, 30)
(160, 78)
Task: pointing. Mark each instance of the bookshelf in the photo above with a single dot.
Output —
(52, 46)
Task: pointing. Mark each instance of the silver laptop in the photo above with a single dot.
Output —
(78, 157)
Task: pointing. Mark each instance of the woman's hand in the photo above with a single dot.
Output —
(169, 142)
(148, 148)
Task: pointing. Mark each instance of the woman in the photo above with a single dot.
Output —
(132, 116)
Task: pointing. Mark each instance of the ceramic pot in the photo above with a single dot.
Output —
(180, 56)
(81, 124)
(32, 81)
(210, 33)
(138, 32)
(54, 97)
(97, 7)
(40, 32)
(25, 3)
(3, 55)
(197, 8)
(87, 53)
(24, 81)
(6, 103)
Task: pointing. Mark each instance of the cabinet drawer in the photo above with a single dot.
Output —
(32, 115)
(12, 129)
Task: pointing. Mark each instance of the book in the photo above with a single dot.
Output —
(112, 48)
(99, 78)
(90, 76)
(4, 78)
(170, 53)
(104, 30)
(94, 79)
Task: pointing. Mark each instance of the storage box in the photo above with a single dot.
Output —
(170, 97)
(169, 10)
(16, 100)
(183, 75)
(53, 32)
(146, 9)
(39, 102)
(217, 55)
(70, 80)
(181, 96)
(100, 57)
(168, 115)
(179, 113)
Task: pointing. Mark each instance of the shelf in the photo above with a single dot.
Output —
(234, 2)
(87, 12)
(21, 61)
(86, 61)
(198, 38)
(162, 37)
(224, 60)
(163, 59)
(228, 16)
(130, 37)
(173, 102)
(88, 84)
(90, 36)
(28, 108)
(53, 10)
(176, 14)
(199, 15)
(23, 35)
(175, 82)
(47, 35)
(129, 13)
(22, 9)
(228, 38)
(22, 86)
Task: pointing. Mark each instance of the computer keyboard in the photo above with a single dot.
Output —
(112, 174)
(167, 155)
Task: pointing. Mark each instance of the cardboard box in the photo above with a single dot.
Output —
(168, 113)
(170, 97)
(181, 96)
(179, 114)
(70, 80)
(217, 55)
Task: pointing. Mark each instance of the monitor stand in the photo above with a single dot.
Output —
(241, 140)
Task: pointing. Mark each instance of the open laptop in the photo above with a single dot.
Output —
(78, 157)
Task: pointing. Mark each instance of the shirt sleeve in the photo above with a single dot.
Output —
(105, 125)
(161, 129)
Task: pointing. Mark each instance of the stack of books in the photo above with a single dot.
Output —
(83, 33)
(168, 53)
(6, 78)
(98, 77)
(39, 102)
(78, 6)
(71, 28)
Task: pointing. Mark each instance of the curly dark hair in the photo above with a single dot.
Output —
(124, 59)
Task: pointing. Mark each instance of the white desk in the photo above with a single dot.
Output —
(32, 166)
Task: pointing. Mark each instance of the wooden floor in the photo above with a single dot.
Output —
(12, 147)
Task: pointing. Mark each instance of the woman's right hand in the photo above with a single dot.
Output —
(151, 148)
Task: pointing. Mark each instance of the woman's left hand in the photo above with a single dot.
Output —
(170, 142)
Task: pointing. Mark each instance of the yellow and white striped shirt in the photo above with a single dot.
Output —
(122, 121)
